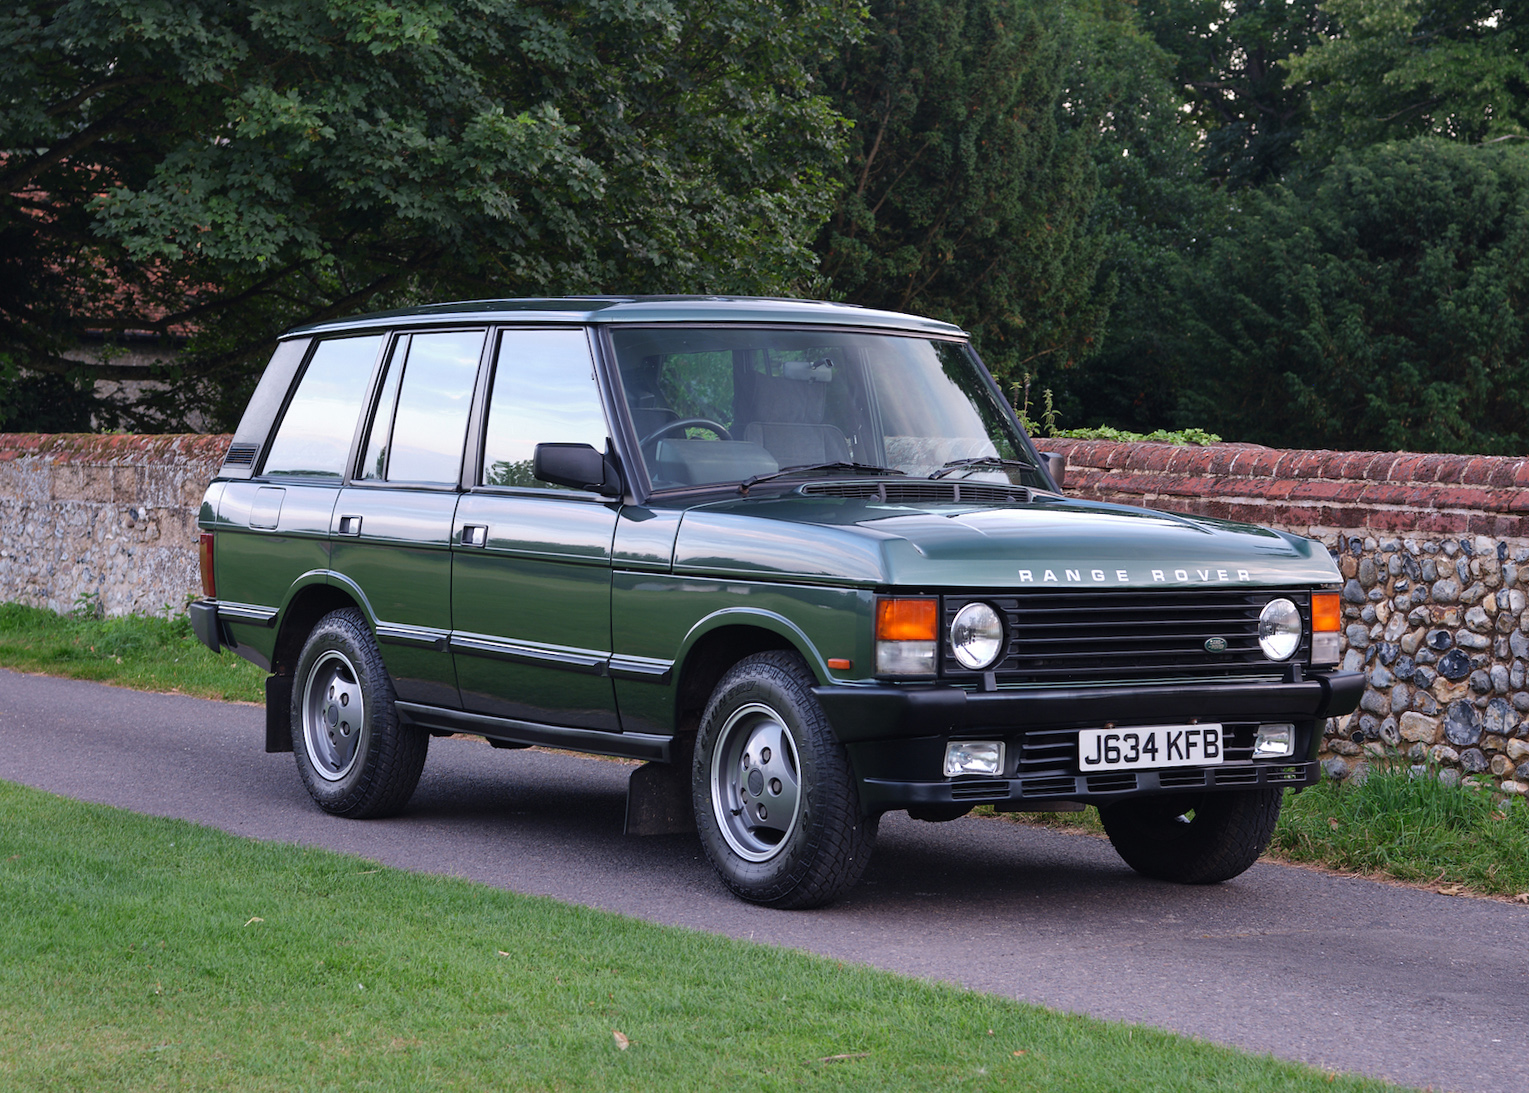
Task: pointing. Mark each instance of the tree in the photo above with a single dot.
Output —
(1454, 69)
(219, 170)
(1155, 209)
(963, 197)
(1382, 307)
(1229, 64)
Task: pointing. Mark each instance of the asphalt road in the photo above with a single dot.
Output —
(1418, 988)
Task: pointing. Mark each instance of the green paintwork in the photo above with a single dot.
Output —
(401, 562)
(1080, 544)
(586, 613)
(542, 580)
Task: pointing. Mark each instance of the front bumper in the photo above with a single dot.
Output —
(896, 737)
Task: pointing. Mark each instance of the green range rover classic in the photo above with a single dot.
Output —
(798, 556)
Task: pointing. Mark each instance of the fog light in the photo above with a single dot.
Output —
(974, 757)
(1272, 742)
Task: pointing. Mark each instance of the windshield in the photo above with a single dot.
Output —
(729, 405)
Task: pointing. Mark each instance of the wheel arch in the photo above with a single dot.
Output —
(721, 640)
(312, 596)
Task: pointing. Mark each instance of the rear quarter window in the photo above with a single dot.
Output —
(316, 430)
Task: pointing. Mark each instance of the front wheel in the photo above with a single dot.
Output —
(1203, 838)
(353, 755)
(775, 799)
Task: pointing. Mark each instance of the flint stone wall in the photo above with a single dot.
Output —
(102, 519)
(1431, 548)
(1434, 552)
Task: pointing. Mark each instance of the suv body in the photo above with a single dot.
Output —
(800, 557)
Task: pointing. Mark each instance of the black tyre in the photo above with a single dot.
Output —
(1197, 839)
(775, 800)
(354, 756)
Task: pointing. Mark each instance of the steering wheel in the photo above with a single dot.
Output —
(686, 423)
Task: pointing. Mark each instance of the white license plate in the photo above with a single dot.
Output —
(1147, 747)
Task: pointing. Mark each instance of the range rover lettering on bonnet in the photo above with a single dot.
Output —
(771, 549)
(1124, 576)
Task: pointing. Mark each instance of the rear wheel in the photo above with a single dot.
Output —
(353, 755)
(775, 799)
(1201, 838)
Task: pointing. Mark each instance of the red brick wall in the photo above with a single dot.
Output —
(1380, 493)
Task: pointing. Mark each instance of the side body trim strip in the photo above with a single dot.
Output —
(625, 745)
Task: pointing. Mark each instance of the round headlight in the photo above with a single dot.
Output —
(976, 636)
(1279, 629)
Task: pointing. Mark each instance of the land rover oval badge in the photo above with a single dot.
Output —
(1215, 645)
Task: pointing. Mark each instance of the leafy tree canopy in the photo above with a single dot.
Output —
(1380, 308)
(1392, 69)
(222, 169)
(965, 195)
(1228, 65)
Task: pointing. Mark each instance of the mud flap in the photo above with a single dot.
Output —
(278, 713)
(658, 800)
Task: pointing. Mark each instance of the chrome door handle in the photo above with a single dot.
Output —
(350, 525)
(475, 535)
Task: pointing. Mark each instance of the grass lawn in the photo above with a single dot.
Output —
(142, 953)
(151, 654)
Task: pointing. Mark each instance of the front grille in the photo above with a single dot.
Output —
(921, 492)
(1063, 638)
(987, 789)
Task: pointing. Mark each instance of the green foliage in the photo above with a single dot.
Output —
(144, 953)
(964, 196)
(1228, 64)
(224, 170)
(1157, 436)
(1454, 69)
(1381, 308)
(1412, 828)
(152, 654)
(1275, 289)
(1155, 210)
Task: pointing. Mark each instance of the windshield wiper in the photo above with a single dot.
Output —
(981, 461)
(814, 468)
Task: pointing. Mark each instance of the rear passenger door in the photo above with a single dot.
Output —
(531, 584)
(392, 526)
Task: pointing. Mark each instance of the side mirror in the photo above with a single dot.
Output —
(578, 466)
(1056, 466)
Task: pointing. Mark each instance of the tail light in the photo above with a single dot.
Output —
(204, 561)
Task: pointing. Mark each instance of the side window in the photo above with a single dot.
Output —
(544, 392)
(421, 421)
(315, 432)
(374, 464)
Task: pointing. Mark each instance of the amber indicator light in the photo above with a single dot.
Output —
(840, 664)
(906, 620)
(1325, 612)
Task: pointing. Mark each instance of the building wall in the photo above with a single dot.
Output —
(1430, 547)
(106, 520)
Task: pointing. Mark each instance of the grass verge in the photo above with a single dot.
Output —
(1456, 838)
(151, 654)
(143, 953)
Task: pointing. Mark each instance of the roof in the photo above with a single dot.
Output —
(640, 309)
